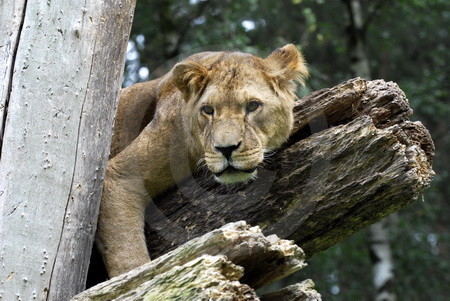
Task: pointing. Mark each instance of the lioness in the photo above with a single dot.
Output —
(227, 108)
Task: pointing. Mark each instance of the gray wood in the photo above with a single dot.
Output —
(204, 278)
(67, 67)
(261, 259)
(365, 161)
(303, 291)
(11, 16)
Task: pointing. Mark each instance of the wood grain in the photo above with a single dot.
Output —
(253, 258)
(63, 72)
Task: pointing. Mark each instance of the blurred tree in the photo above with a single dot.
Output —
(407, 41)
(378, 240)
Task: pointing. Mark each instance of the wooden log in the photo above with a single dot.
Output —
(261, 259)
(353, 158)
(359, 160)
(303, 291)
(204, 278)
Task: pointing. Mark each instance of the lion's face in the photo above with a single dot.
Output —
(240, 108)
(238, 123)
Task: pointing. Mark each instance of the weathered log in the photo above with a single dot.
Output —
(353, 158)
(303, 291)
(204, 278)
(359, 160)
(61, 68)
(261, 259)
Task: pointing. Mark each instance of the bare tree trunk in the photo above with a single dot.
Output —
(61, 67)
(356, 31)
(11, 17)
(383, 265)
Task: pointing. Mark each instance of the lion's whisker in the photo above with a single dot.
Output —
(201, 162)
(268, 154)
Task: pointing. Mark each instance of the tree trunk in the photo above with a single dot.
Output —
(356, 32)
(381, 257)
(320, 188)
(225, 264)
(11, 16)
(61, 66)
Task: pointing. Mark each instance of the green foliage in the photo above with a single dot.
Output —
(407, 42)
(340, 273)
(421, 253)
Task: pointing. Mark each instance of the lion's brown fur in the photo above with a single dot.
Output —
(162, 132)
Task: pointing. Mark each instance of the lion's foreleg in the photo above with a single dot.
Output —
(120, 233)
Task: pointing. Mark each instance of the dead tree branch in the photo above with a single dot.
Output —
(353, 158)
(225, 264)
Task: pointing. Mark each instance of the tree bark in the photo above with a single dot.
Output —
(320, 188)
(381, 257)
(356, 33)
(204, 278)
(11, 17)
(234, 252)
(61, 68)
(303, 291)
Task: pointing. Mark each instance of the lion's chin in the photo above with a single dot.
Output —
(233, 176)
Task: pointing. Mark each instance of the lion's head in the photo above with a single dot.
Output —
(238, 107)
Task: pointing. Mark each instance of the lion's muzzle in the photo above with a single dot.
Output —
(232, 165)
(231, 170)
(231, 175)
(227, 150)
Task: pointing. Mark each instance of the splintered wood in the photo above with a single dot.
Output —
(225, 264)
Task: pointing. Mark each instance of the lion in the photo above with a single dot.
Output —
(226, 109)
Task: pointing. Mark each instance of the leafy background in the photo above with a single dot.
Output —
(407, 41)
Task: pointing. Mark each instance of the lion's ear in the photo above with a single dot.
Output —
(189, 77)
(287, 65)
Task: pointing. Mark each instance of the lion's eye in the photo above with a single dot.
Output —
(208, 110)
(253, 106)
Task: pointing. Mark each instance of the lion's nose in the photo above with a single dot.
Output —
(227, 150)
